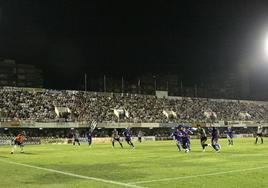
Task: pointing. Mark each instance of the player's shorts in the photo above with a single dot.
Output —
(214, 139)
(116, 139)
(229, 136)
(128, 139)
(184, 143)
(203, 139)
(18, 143)
(259, 134)
(76, 140)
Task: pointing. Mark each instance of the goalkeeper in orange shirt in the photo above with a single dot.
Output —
(18, 140)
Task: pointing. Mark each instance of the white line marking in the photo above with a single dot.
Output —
(73, 175)
(198, 175)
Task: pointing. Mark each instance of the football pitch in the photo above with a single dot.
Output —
(151, 164)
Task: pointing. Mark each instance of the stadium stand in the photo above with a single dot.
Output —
(21, 104)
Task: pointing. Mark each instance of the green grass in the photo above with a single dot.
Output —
(149, 161)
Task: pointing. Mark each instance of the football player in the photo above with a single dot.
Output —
(259, 134)
(18, 140)
(203, 137)
(177, 136)
(116, 137)
(127, 135)
(215, 138)
(230, 136)
(76, 137)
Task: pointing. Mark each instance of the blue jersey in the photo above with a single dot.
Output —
(177, 135)
(127, 134)
(188, 132)
(89, 136)
(184, 136)
(215, 134)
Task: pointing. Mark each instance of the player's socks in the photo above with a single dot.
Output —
(13, 149)
(121, 145)
(21, 149)
(130, 143)
(179, 147)
(262, 140)
(204, 146)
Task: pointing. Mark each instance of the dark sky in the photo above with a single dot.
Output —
(67, 38)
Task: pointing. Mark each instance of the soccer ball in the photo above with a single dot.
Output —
(217, 147)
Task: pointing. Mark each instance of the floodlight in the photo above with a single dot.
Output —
(266, 46)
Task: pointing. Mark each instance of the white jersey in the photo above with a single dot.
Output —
(259, 131)
(140, 134)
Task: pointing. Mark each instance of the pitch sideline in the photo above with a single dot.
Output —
(198, 175)
(73, 175)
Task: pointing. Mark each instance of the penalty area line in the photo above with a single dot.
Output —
(73, 175)
(197, 175)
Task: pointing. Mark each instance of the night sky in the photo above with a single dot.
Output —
(68, 38)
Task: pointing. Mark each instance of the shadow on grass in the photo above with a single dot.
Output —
(28, 153)
(3, 157)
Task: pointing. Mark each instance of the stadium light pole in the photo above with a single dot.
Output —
(139, 86)
(195, 91)
(122, 86)
(167, 85)
(155, 86)
(85, 81)
(266, 46)
(104, 83)
(181, 88)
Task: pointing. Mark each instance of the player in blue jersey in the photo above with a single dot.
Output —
(89, 134)
(89, 138)
(230, 135)
(177, 136)
(188, 133)
(185, 139)
(127, 136)
(215, 138)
